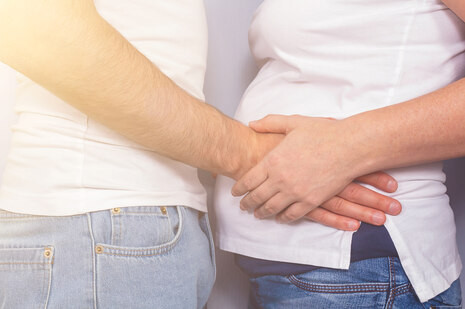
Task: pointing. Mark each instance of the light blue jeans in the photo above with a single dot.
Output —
(373, 283)
(136, 257)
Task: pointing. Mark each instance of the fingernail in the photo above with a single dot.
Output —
(352, 225)
(252, 123)
(378, 218)
(392, 185)
(394, 208)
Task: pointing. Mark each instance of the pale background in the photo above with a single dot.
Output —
(231, 68)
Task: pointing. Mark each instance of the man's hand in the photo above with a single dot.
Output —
(312, 165)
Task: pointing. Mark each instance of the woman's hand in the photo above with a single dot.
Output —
(308, 169)
(357, 203)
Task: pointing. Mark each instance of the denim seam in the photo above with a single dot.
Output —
(258, 299)
(392, 280)
(405, 288)
(120, 234)
(43, 291)
(388, 304)
(27, 263)
(19, 219)
(349, 288)
(153, 251)
(211, 242)
(145, 213)
(94, 274)
(9, 270)
(49, 285)
(112, 229)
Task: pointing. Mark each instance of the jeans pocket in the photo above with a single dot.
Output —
(25, 277)
(143, 231)
(337, 288)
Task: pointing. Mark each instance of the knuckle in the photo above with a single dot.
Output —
(311, 201)
(298, 191)
(274, 159)
(269, 208)
(324, 218)
(253, 197)
(247, 184)
(290, 216)
(281, 178)
(311, 216)
(353, 192)
(383, 204)
(382, 179)
(338, 205)
(269, 117)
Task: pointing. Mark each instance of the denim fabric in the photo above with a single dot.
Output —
(373, 283)
(135, 257)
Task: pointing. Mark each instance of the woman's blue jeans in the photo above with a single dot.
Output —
(374, 283)
(136, 257)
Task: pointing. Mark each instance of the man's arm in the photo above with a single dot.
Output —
(68, 48)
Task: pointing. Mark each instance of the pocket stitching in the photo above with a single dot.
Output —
(149, 251)
(44, 266)
(339, 289)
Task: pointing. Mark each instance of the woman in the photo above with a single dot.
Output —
(350, 60)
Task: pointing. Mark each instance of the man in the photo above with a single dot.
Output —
(99, 211)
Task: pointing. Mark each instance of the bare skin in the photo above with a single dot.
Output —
(317, 152)
(83, 60)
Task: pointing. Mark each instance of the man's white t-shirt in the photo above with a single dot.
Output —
(337, 58)
(65, 163)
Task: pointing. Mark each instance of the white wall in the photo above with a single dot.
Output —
(230, 70)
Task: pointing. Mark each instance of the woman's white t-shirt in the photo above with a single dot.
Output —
(337, 58)
(64, 163)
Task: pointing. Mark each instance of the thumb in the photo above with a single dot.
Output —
(273, 124)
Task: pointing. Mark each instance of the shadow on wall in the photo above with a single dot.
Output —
(455, 170)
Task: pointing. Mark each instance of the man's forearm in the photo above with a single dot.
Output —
(69, 49)
(426, 129)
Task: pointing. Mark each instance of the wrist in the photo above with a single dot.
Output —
(254, 148)
(235, 153)
(361, 151)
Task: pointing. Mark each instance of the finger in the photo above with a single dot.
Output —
(363, 196)
(294, 212)
(251, 180)
(381, 181)
(351, 210)
(274, 205)
(330, 219)
(273, 124)
(259, 196)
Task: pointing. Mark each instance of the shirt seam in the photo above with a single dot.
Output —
(399, 69)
